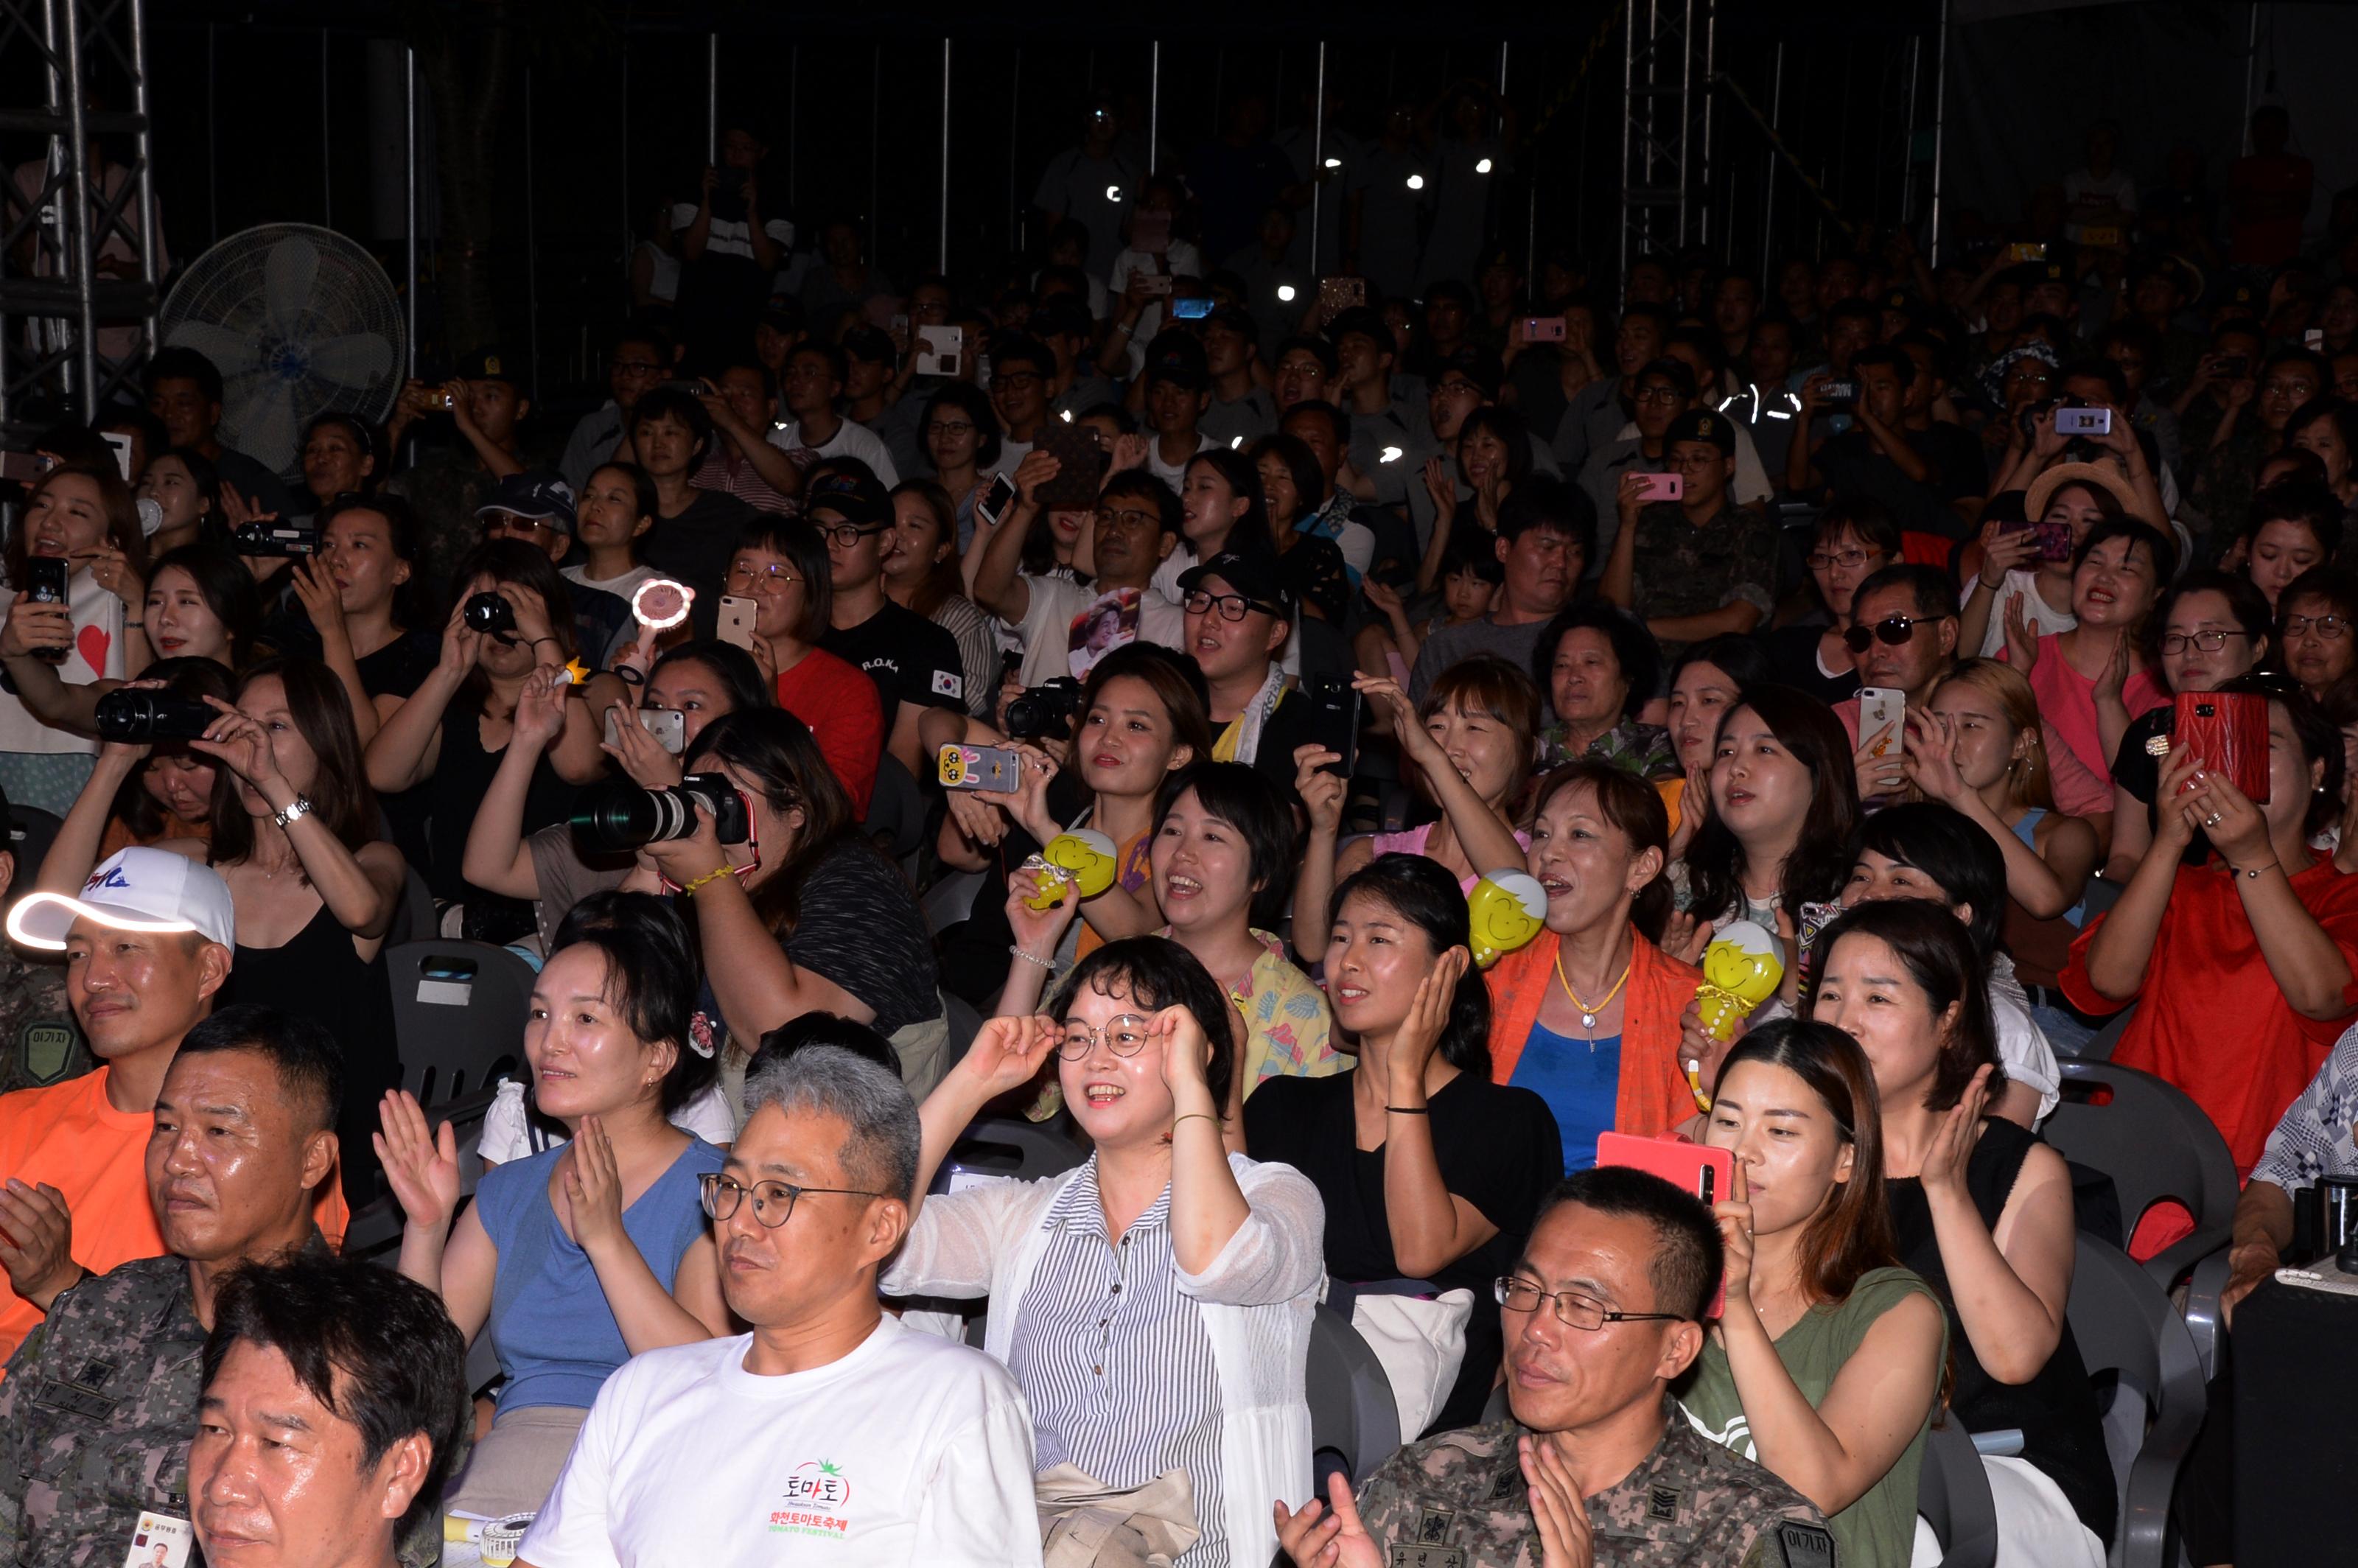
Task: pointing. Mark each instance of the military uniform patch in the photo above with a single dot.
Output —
(1433, 1526)
(1405, 1554)
(1662, 1503)
(1806, 1545)
(44, 1050)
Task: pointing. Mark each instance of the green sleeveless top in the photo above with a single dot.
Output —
(1879, 1529)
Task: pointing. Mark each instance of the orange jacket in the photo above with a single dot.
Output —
(1653, 1095)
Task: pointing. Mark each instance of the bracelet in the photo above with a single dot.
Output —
(711, 876)
(1126, 329)
(537, 642)
(1206, 1115)
(137, 625)
(1048, 964)
(297, 809)
(1409, 1110)
(2256, 872)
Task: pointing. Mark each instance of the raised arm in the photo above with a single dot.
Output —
(497, 857)
(410, 739)
(1431, 1227)
(1321, 793)
(999, 585)
(421, 1165)
(2123, 943)
(326, 608)
(1489, 844)
(74, 850)
(2009, 1285)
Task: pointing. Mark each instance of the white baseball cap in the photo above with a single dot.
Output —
(138, 889)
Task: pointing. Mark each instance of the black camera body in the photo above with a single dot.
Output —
(490, 614)
(619, 815)
(1044, 711)
(277, 538)
(142, 717)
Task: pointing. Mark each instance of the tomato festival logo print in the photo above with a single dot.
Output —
(818, 1501)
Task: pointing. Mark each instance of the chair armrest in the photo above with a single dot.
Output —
(2203, 1289)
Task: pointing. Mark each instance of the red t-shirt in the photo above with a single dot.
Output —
(845, 716)
(2210, 1018)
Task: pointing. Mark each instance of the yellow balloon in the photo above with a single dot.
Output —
(1740, 971)
(1084, 858)
(1505, 910)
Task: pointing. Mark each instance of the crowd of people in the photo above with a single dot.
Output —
(1173, 658)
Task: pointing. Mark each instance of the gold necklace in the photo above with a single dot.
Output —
(1588, 1010)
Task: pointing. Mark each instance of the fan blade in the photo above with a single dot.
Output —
(355, 361)
(264, 427)
(232, 351)
(291, 268)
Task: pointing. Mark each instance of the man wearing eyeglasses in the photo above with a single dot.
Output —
(1595, 1466)
(638, 365)
(808, 388)
(1137, 526)
(1698, 565)
(913, 662)
(1662, 391)
(830, 1431)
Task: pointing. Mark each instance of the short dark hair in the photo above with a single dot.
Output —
(670, 403)
(1861, 517)
(1889, 358)
(805, 549)
(1929, 588)
(2160, 545)
(1943, 844)
(177, 364)
(970, 400)
(740, 676)
(1156, 972)
(1021, 347)
(1947, 966)
(1744, 658)
(309, 1060)
(1294, 453)
(402, 1361)
(1419, 891)
(1686, 1262)
(1542, 502)
(2310, 502)
(1639, 657)
(838, 368)
(1337, 420)
(651, 978)
(2116, 380)
(1139, 484)
(822, 1029)
(2320, 741)
(1240, 796)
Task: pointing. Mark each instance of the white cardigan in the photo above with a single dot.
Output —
(1257, 1299)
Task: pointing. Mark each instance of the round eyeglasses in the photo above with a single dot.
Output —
(773, 1202)
(1124, 1034)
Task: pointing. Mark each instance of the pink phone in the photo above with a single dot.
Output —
(1665, 486)
(1709, 1173)
(1543, 329)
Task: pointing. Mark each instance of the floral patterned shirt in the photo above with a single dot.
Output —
(1644, 750)
(1288, 1026)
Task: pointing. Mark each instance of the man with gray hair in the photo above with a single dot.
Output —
(830, 1421)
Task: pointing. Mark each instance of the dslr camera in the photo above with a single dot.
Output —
(618, 815)
(1044, 711)
(276, 537)
(490, 614)
(145, 715)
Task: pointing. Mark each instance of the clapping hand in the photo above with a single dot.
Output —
(1327, 1535)
(421, 1162)
(1955, 1135)
(1566, 1538)
(592, 1189)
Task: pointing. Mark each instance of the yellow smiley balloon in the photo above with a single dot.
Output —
(1084, 858)
(1740, 971)
(1505, 910)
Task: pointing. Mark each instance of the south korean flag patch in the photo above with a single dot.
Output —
(949, 685)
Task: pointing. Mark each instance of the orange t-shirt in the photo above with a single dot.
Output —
(71, 1137)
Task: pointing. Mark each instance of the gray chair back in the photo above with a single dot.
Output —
(459, 1013)
(2148, 1386)
(2155, 1144)
(415, 919)
(1353, 1415)
(1011, 1146)
(2100, 1047)
(1952, 1493)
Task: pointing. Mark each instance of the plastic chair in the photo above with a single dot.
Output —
(1353, 1419)
(2155, 1144)
(413, 921)
(1011, 1146)
(964, 1023)
(2150, 1385)
(2203, 1288)
(31, 832)
(2101, 895)
(1952, 1493)
(2100, 1047)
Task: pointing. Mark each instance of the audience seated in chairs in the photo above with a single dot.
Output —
(579, 1258)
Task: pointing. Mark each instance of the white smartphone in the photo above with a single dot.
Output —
(737, 620)
(1882, 707)
(667, 725)
(940, 350)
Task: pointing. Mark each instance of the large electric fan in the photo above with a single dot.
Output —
(302, 322)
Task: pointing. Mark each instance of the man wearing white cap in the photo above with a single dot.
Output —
(147, 943)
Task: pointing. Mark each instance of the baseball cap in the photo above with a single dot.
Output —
(535, 494)
(1704, 425)
(859, 501)
(868, 345)
(487, 364)
(138, 889)
(1477, 366)
(1253, 576)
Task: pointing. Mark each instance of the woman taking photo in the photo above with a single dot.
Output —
(141, 794)
(961, 435)
(2009, 562)
(81, 514)
(1223, 848)
(1222, 1267)
(1825, 1364)
(2210, 629)
(1854, 539)
(781, 565)
(2241, 964)
(921, 573)
(1599, 668)
(1711, 678)
(199, 603)
(186, 489)
(617, 509)
(579, 1258)
(1586, 1015)
(451, 732)
(1429, 1171)
(1982, 1211)
(1783, 802)
(1470, 742)
(2092, 680)
(362, 608)
(804, 916)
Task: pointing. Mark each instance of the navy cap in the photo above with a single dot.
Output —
(1253, 575)
(1703, 425)
(858, 499)
(488, 364)
(539, 494)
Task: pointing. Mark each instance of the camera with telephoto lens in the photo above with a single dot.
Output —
(141, 717)
(620, 814)
(1044, 711)
(490, 614)
(276, 537)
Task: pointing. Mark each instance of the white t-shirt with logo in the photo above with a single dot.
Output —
(851, 439)
(910, 1450)
(1053, 644)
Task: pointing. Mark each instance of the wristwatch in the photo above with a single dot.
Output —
(298, 809)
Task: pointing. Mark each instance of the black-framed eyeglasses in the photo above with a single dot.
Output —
(1843, 561)
(1659, 394)
(1016, 380)
(638, 367)
(2209, 642)
(952, 429)
(722, 1196)
(1232, 606)
(1124, 1034)
(2332, 628)
(1572, 1309)
(1895, 629)
(1130, 517)
(843, 535)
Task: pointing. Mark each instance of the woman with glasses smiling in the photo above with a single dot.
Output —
(781, 565)
(2315, 614)
(1854, 539)
(1154, 1304)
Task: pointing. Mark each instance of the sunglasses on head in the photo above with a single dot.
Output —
(1895, 629)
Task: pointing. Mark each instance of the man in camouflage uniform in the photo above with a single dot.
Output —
(100, 1400)
(1699, 565)
(1597, 1467)
(40, 1043)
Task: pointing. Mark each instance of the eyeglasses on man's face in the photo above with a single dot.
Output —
(1232, 606)
(773, 1202)
(1572, 1309)
(843, 535)
(2332, 628)
(1895, 630)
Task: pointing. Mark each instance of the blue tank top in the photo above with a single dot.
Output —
(2027, 831)
(1580, 1083)
(556, 1338)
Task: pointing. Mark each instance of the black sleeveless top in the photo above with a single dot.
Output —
(2062, 1434)
(462, 776)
